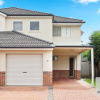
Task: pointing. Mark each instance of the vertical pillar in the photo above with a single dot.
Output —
(78, 68)
(47, 68)
(2, 68)
(92, 67)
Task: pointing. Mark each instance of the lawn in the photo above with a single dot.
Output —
(89, 81)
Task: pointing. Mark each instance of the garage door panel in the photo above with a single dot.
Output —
(21, 71)
(26, 81)
(23, 62)
(35, 75)
(23, 68)
(32, 66)
(24, 57)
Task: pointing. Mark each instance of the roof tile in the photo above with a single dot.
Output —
(13, 39)
(13, 11)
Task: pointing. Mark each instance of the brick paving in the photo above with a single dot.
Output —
(63, 89)
(71, 89)
(24, 93)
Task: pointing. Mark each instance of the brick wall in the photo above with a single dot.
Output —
(60, 74)
(2, 78)
(47, 78)
(77, 74)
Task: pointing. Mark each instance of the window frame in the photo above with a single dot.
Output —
(38, 26)
(21, 25)
(60, 31)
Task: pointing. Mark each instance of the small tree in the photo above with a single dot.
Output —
(94, 40)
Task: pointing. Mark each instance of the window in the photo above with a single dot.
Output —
(17, 26)
(57, 31)
(66, 31)
(34, 25)
(55, 58)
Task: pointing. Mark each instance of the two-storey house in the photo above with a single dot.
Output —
(37, 48)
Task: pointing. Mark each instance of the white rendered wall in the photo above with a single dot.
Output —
(2, 23)
(62, 63)
(45, 26)
(74, 39)
(47, 58)
(78, 62)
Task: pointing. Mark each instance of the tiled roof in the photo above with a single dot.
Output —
(59, 19)
(13, 11)
(13, 39)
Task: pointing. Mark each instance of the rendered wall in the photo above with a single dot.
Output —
(62, 63)
(75, 38)
(2, 23)
(47, 58)
(45, 26)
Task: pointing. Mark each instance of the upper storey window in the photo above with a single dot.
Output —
(57, 31)
(34, 25)
(62, 31)
(17, 26)
(66, 31)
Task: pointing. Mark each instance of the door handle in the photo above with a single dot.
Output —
(24, 72)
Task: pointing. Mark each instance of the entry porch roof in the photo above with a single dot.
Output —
(70, 49)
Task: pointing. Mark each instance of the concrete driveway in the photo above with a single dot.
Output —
(69, 89)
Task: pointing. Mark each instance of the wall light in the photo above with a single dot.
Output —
(55, 58)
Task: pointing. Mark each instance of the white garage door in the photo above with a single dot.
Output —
(24, 70)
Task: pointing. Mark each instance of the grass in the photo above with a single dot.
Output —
(89, 81)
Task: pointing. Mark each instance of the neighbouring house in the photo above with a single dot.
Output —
(37, 48)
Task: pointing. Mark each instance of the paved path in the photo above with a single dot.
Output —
(71, 89)
(23, 93)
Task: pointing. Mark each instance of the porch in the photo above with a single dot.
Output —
(67, 62)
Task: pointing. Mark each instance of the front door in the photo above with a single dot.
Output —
(71, 67)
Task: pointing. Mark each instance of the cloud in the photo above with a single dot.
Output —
(85, 1)
(1, 2)
(98, 11)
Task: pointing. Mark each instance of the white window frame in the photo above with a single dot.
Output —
(65, 34)
(60, 31)
(21, 27)
(34, 30)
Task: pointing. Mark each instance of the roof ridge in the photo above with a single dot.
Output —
(27, 10)
(32, 37)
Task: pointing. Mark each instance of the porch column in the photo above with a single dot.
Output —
(92, 67)
(2, 68)
(78, 68)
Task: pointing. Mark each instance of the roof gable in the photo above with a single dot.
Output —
(13, 39)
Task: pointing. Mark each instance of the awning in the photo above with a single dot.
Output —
(71, 50)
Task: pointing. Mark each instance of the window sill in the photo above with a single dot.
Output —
(35, 31)
(19, 31)
(61, 37)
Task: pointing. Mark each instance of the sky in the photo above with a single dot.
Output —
(87, 10)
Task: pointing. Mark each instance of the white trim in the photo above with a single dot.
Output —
(68, 23)
(88, 48)
(26, 48)
(3, 14)
(92, 67)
